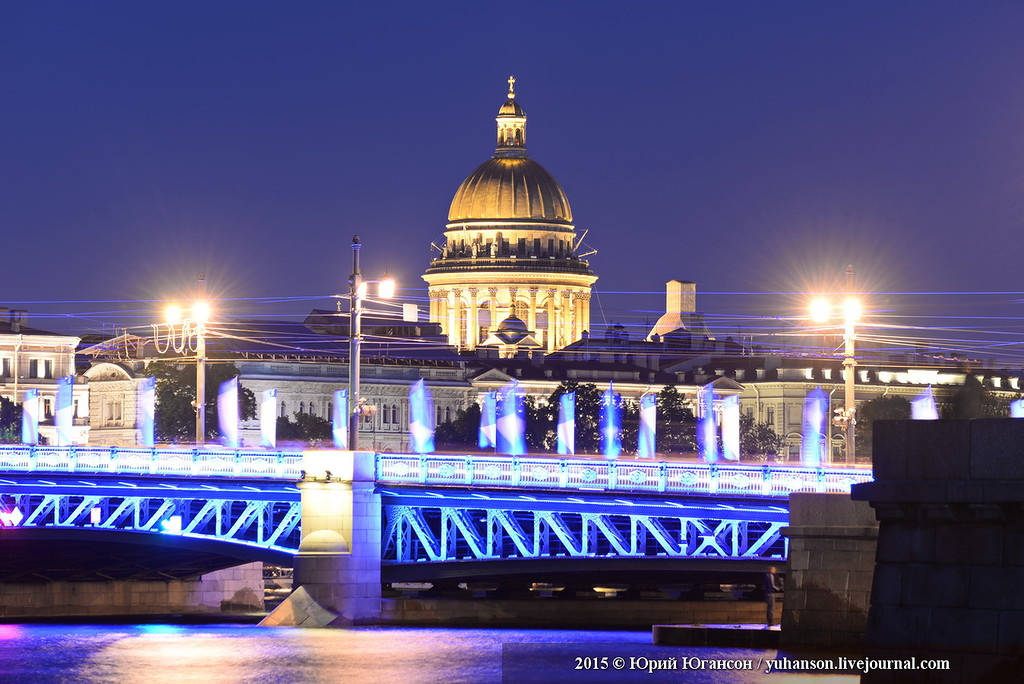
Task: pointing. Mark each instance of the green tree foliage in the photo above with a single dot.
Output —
(305, 428)
(176, 392)
(758, 440)
(677, 427)
(461, 431)
(879, 408)
(10, 421)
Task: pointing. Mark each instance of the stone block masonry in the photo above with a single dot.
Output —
(232, 590)
(831, 563)
(949, 497)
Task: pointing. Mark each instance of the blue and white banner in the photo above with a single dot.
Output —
(30, 417)
(566, 430)
(1017, 408)
(268, 418)
(611, 423)
(339, 419)
(487, 437)
(645, 439)
(511, 420)
(227, 412)
(731, 428)
(64, 417)
(815, 415)
(707, 431)
(146, 422)
(421, 415)
(922, 407)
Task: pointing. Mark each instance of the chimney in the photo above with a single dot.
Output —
(680, 297)
(16, 319)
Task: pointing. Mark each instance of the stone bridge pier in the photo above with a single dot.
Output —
(337, 569)
(949, 574)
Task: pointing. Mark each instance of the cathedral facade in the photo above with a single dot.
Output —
(510, 262)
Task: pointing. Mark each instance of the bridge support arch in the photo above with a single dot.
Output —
(337, 569)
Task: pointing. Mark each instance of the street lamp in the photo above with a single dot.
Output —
(188, 333)
(821, 312)
(357, 292)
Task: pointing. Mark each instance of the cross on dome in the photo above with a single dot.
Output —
(511, 87)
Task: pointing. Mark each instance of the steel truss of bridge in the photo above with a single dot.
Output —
(464, 526)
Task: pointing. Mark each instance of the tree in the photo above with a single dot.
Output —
(461, 431)
(677, 427)
(175, 395)
(305, 428)
(758, 440)
(10, 421)
(879, 408)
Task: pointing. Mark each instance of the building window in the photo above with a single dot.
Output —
(302, 407)
(6, 368)
(40, 368)
(771, 416)
(750, 412)
(330, 410)
(394, 414)
(47, 409)
(385, 416)
(284, 410)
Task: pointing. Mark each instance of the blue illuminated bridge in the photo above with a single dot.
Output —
(87, 513)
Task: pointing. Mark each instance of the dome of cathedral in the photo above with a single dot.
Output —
(511, 108)
(510, 187)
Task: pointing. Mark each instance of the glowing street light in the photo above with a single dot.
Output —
(188, 333)
(821, 311)
(358, 290)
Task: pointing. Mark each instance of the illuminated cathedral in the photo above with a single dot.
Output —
(510, 272)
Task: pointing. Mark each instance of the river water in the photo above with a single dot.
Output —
(231, 654)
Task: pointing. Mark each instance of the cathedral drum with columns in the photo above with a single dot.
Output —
(510, 251)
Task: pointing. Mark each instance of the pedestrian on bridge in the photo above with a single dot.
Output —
(771, 587)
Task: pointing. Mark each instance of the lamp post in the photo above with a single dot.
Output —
(851, 308)
(357, 293)
(181, 331)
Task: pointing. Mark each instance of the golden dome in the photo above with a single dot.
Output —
(510, 187)
(512, 108)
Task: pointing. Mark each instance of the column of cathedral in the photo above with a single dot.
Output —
(531, 324)
(566, 329)
(552, 322)
(473, 319)
(455, 319)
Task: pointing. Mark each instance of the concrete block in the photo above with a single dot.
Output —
(810, 509)
(936, 585)
(1010, 633)
(938, 449)
(997, 449)
(887, 586)
(977, 544)
(997, 588)
(896, 625)
(889, 449)
(961, 629)
(905, 542)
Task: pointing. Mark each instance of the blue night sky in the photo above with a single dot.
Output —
(752, 147)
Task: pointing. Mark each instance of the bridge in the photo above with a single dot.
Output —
(166, 512)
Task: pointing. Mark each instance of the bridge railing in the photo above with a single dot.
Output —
(205, 462)
(602, 475)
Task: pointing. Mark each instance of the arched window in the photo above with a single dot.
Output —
(330, 410)
(302, 407)
(284, 413)
(394, 414)
(385, 415)
(447, 415)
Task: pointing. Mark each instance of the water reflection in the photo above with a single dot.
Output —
(222, 654)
